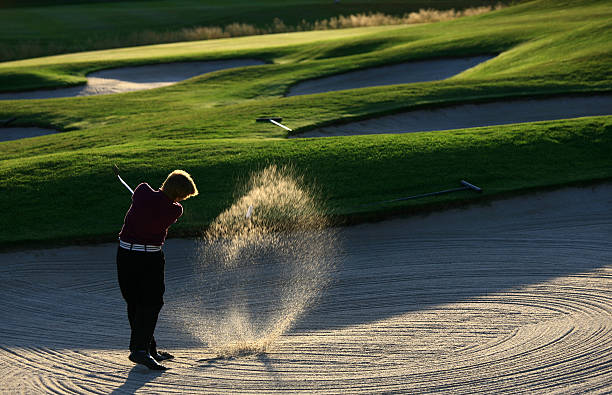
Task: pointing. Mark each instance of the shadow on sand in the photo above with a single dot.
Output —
(137, 378)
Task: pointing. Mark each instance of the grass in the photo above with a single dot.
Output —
(206, 125)
(50, 27)
(500, 159)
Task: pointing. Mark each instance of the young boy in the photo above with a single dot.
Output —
(140, 260)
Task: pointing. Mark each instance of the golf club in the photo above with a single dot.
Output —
(466, 186)
(275, 120)
(116, 171)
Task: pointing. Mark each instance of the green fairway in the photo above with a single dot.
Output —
(63, 189)
(48, 27)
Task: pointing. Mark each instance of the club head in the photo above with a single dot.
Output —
(115, 170)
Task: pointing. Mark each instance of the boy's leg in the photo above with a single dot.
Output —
(131, 311)
(145, 320)
(153, 346)
(156, 280)
(158, 355)
(150, 300)
(141, 279)
(127, 276)
(157, 283)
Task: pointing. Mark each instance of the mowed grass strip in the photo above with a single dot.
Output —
(527, 37)
(73, 195)
(53, 27)
(63, 189)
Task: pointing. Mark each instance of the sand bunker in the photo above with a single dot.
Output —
(7, 134)
(405, 73)
(473, 115)
(128, 79)
(511, 297)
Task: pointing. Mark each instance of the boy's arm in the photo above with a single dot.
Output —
(171, 220)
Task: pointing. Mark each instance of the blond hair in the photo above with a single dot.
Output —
(179, 185)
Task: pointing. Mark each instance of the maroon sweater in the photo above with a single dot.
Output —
(149, 217)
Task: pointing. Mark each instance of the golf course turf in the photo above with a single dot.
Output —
(74, 26)
(60, 188)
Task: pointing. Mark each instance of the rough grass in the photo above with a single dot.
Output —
(54, 28)
(31, 49)
(63, 189)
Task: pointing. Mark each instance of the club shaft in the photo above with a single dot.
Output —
(416, 196)
(125, 184)
(466, 186)
(427, 194)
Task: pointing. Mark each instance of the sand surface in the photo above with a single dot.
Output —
(404, 73)
(128, 79)
(7, 134)
(473, 115)
(510, 297)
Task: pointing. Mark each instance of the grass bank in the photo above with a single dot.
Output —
(62, 188)
(74, 196)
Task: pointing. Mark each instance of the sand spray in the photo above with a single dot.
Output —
(262, 264)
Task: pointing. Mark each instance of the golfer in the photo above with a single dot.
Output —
(140, 260)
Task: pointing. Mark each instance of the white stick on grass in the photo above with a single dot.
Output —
(280, 124)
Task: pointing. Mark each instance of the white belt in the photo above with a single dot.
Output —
(139, 247)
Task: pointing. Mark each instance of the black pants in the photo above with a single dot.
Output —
(141, 279)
